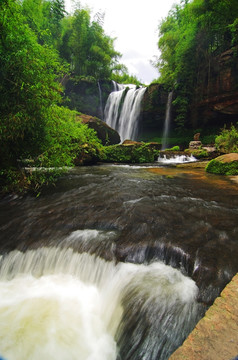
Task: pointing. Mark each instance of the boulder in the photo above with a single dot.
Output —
(105, 133)
(196, 137)
(195, 145)
(228, 158)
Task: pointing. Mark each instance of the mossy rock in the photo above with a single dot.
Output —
(224, 165)
(105, 133)
(131, 153)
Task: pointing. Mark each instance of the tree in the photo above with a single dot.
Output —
(86, 46)
(44, 17)
(28, 87)
(190, 36)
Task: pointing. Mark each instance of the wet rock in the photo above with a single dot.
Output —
(195, 145)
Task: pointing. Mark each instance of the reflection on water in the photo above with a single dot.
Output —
(183, 217)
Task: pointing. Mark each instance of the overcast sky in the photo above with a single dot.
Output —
(135, 25)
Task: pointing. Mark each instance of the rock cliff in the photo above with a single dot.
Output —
(216, 96)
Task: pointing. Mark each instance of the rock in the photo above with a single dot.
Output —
(196, 137)
(105, 133)
(227, 158)
(216, 335)
(131, 142)
(152, 145)
(132, 152)
(195, 145)
(217, 100)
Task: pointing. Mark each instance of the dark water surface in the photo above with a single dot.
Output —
(187, 218)
(128, 214)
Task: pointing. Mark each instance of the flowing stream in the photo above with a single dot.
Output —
(116, 262)
(122, 110)
(167, 122)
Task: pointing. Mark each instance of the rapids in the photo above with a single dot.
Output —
(116, 262)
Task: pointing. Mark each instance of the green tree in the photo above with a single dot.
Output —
(191, 35)
(86, 47)
(44, 17)
(28, 88)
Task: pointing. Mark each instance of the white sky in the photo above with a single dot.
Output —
(135, 25)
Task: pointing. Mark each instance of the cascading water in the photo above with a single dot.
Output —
(176, 159)
(80, 270)
(58, 304)
(100, 101)
(167, 121)
(122, 110)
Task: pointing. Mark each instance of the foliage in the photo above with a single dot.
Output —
(198, 153)
(86, 46)
(182, 138)
(28, 87)
(24, 181)
(121, 76)
(67, 139)
(218, 167)
(227, 141)
(67, 142)
(191, 34)
(44, 17)
(138, 153)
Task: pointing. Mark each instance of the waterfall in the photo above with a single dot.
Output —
(122, 110)
(167, 121)
(59, 304)
(100, 101)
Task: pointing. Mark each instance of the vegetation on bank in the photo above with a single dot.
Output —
(194, 33)
(219, 167)
(135, 153)
(226, 142)
(40, 44)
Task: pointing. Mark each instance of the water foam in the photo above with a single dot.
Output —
(58, 304)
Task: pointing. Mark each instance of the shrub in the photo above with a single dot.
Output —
(227, 141)
(67, 139)
(218, 167)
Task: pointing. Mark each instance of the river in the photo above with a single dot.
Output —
(115, 262)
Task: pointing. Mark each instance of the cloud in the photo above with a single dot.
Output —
(135, 25)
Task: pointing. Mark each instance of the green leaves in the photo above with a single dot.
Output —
(191, 34)
(28, 87)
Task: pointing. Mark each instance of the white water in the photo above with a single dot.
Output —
(123, 115)
(100, 101)
(177, 159)
(167, 121)
(57, 304)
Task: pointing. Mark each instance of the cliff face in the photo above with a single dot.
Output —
(86, 96)
(153, 108)
(216, 97)
(214, 102)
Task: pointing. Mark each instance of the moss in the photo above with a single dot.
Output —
(198, 153)
(136, 153)
(174, 148)
(218, 167)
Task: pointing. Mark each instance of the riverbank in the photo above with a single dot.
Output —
(216, 334)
